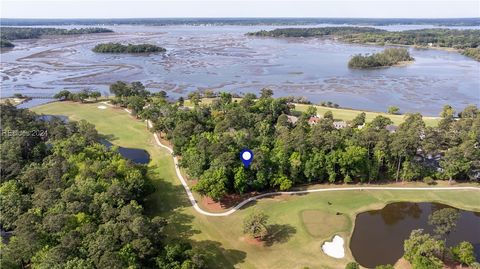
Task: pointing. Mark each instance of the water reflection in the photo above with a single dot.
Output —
(379, 234)
(398, 211)
(140, 156)
(53, 117)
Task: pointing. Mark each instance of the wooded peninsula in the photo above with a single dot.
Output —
(387, 57)
(130, 48)
(462, 40)
(11, 33)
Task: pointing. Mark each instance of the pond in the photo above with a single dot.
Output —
(53, 117)
(379, 234)
(139, 156)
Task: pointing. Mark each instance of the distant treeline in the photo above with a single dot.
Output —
(447, 38)
(130, 48)
(316, 32)
(6, 44)
(473, 53)
(444, 38)
(246, 21)
(388, 57)
(12, 33)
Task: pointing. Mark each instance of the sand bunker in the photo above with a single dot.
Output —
(101, 107)
(335, 248)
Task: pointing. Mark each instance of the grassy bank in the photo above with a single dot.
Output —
(345, 114)
(298, 235)
(349, 114)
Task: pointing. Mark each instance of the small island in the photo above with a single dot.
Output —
(464, 41)
(388, 57)
(130, 48)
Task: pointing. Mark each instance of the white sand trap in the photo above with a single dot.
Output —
(101, 107)
(335, 248)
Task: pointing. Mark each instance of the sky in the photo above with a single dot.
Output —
(235, 8)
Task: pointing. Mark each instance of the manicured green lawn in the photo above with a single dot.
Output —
(342, 113)
(350, 114)
(296, 243)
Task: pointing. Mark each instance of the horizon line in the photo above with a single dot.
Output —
(307, 17)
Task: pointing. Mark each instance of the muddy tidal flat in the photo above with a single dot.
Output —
(222, 57)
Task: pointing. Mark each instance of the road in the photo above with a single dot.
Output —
(254, 198)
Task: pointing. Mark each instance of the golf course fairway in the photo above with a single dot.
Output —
(295, 220)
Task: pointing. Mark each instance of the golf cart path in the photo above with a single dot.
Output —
(254, 198)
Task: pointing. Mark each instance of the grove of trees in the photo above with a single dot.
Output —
(387, 57)
(209, 138)
(426, 251)
(473, 53)
(81, 96)
(11, 33)
(70, 202)
(130, 48)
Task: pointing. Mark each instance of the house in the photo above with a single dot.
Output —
(292, 119)
(339, 124)
(391, 128)
(314, 120)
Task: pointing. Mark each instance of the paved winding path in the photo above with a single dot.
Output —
(254, 198)
(241, 204)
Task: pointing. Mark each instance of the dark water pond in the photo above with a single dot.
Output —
(53, 117)
(379, 234)
(136, 155)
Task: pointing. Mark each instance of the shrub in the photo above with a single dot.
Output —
(429, 181)
(255, 225)
(387, 266)
(352, 265)
(463, 253)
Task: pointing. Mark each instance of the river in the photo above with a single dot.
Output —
(222, 57)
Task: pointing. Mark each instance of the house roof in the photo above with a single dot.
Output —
(313, 120)
(391, 128)
(292, 119)
(339, 124)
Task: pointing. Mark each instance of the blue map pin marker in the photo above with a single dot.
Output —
(246, 156)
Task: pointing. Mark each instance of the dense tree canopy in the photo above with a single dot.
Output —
(80, 96)
(387, 57)
(210, 137)
(423, 251)
(444, 220)
(467, 40)
(473, 53)
(12, 33)
(73, 203)
(464, 253)
(130, 48)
